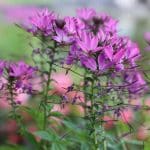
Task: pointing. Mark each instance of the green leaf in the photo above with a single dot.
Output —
(31, 140)
(57, 146)
(11, 147)
(45, 135)
(55, 114)
(36, 114)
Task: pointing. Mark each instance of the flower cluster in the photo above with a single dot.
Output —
(19, 75)
(109, 78)
(93, 41)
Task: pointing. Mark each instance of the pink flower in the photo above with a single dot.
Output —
(18, 13)
(108, 122)
(147, 104)
(142, 133)
(127, 115)
(21, 98)
(147, 37)
(64, 110)
(61, 82)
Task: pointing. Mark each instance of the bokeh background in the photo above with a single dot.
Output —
(133, 16)
(15, 44)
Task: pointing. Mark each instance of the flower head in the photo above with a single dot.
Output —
(86, 13)
(42, 22)
(20, 74)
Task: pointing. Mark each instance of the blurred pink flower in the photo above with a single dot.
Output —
(37, 84)
(64, 110)
(19, 13)
(108, 122)
(10, 126)
(147, 39)
(61, 82)
(21, 98)
(147, 103)
(142, 133)
(14, 138)
(127, 115)
(135, 102)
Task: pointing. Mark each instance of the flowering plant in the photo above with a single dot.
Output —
(108, 77)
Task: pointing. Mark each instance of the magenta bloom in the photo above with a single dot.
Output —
(86, 13)
(115, 57)
(88, 62)
(88, 42)
(23, 74)
(20, 74)
(62, 37)
(42, 22)
(135, 82)
(19, 13)
(2, 65)
(20, 69)
(108, 23)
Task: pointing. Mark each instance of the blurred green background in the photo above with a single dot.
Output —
(15, 44)
(133, 16)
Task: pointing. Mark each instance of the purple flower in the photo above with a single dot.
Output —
(135, 82)
(20, 69)
(103, 64)
(108, 24)
(88, 42)
(42, 22)
(2, 65)
(19, 74)
(86, 13)
(62, 37)
(73, 25)
(88, 62)
(74, 55)
(114, 57)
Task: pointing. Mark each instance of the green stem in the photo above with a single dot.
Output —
(16, 116)
(46, 95)
(105, 145)
(44, 144)
(13, 104)
(93, 117)
(84, 90)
